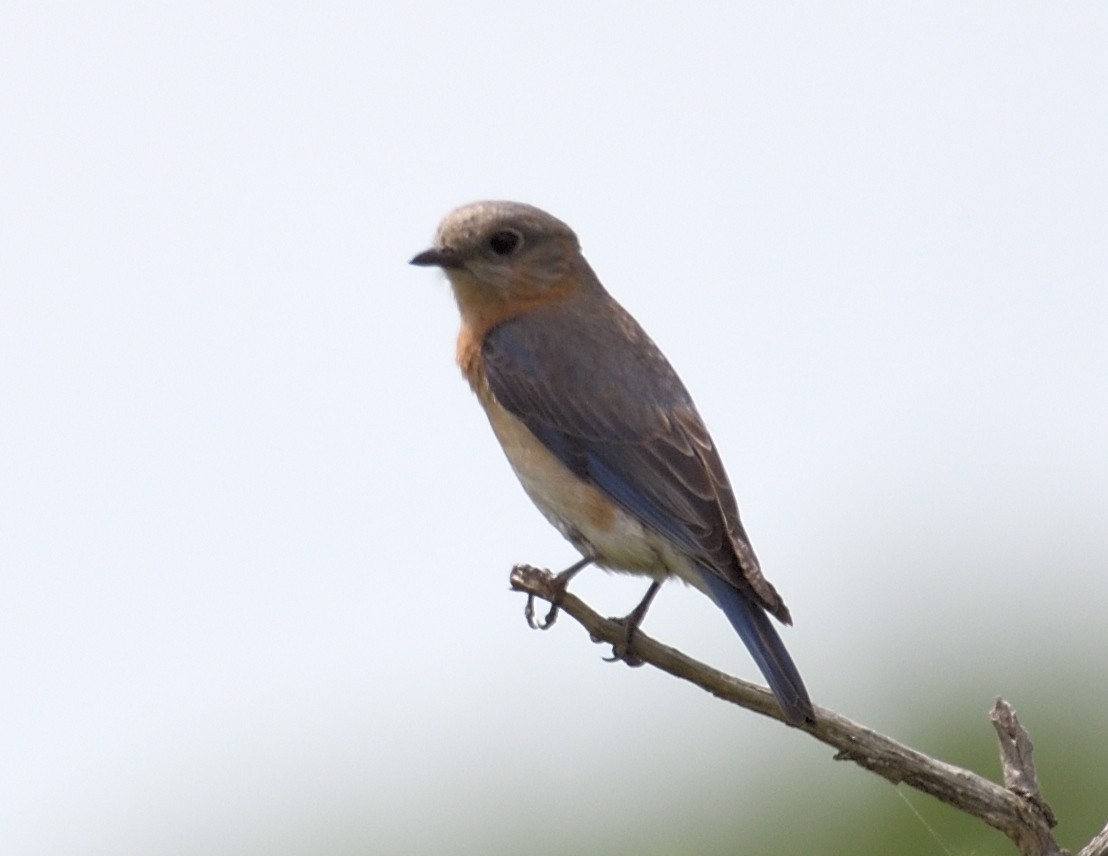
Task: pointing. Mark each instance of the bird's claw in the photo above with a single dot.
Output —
(534, 623)
(558, 585)
(623, 650)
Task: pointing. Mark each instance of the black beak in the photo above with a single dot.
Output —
(445, 258)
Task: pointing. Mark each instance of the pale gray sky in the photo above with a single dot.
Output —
(255, 534)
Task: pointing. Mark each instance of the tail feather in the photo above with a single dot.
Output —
(765, 646)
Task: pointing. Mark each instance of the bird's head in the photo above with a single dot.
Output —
(504, 252)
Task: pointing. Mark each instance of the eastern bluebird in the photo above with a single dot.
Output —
(598, 427)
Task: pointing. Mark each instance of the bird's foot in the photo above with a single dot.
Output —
(558, 585)
(623, 650)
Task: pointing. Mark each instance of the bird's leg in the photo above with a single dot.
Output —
(631, 622)
(558, 584)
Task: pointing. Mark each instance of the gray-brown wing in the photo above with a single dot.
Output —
(616, 414)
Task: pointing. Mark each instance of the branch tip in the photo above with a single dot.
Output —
(1016, 759)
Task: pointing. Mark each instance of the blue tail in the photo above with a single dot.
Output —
(765, 646)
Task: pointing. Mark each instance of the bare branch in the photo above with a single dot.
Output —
(1017, 810)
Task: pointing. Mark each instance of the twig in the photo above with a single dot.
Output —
(1016, 763)
(1018, 810)
(1098, 846)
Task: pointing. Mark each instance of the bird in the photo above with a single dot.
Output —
(598, 427)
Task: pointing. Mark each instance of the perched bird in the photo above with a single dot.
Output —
(598, 427)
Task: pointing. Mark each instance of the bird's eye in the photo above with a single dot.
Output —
(504, 243)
